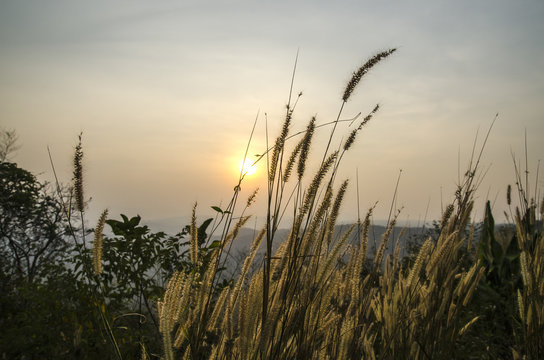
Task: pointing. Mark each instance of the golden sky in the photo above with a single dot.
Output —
(166, 93)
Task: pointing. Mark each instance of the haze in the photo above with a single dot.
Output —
(166, 93)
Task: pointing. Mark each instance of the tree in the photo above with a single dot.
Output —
(8, 143)
(47, 312)
(52, 304)
(32, 228)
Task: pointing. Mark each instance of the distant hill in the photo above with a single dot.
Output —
(246, 236)
(243, 242)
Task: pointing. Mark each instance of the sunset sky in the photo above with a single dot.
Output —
(166, 93)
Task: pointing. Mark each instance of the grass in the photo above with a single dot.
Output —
(318, 296)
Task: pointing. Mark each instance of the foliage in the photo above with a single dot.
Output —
(317, 296)
(45, 308)
(530, 299)
(31, 224)
(306, 301)
(136, 266)
(56, 318)
(501, 261)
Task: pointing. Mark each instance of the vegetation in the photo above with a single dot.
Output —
(468, 290)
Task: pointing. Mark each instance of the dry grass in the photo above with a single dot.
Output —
(307, 302)
(320, 296)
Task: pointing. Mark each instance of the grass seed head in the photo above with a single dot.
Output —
(252, 197)
(363, 70)
(194, 237)
(351, 138)
(305, 148)
(97, 244)
(291, 162)
(78, 176)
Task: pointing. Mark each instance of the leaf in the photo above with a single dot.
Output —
(488, 237)
(214, 244)
(135, 221)
(218, 209)
(202, 231)
(205, 224)
(513, 252)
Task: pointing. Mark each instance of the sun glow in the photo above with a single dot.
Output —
(247, 167)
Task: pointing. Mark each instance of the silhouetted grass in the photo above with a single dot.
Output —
(317, 296)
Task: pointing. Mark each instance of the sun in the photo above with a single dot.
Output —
(247, 167)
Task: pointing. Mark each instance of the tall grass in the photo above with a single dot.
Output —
(530, 236)
(319, 296)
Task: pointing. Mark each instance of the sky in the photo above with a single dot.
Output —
(166, 94)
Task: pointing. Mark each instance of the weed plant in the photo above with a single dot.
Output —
(318, 296)
(305, 303)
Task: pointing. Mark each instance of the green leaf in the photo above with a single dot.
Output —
(513, 252)
(214, 244)
(488, 237)
(205, 224)
(218, 209)
(135, 221)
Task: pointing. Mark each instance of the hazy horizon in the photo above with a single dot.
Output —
(166, 95)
